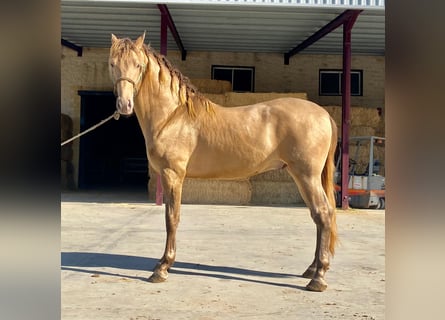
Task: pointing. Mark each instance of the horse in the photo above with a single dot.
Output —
(181, 127)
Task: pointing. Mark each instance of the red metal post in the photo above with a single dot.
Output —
(346, 105)
(346, 109)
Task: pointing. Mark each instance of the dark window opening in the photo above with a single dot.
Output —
(330, 82)
(241, 78)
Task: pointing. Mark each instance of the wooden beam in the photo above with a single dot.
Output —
(331, 26)
(165, 14)
(72, 46)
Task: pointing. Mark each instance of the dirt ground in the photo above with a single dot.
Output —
(233, 262)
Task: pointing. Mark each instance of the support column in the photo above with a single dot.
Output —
(346, 109)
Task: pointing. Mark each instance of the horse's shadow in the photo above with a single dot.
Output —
(77, 261)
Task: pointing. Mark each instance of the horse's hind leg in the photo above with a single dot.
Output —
(172, 186)
(310, 271)
(315, 198)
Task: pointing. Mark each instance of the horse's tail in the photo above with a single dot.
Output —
(327, 179)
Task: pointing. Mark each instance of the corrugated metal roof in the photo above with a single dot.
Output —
(227, 25)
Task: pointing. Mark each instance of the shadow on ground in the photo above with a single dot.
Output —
(76, 261)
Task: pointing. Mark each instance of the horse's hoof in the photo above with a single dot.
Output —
(317, 285)
(157, 278)
(309, 273)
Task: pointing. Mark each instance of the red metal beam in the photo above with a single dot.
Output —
(165, 14)
(331, 26)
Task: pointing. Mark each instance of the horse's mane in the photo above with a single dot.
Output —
(188, 94)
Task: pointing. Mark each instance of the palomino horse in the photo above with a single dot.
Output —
(187, 135)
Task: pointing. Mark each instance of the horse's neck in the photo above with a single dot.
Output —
(153, 110)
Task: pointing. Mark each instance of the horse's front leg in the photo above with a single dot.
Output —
(172, 185)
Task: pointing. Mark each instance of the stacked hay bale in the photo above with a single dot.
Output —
(66, 153)
(364, 121)
(207, 191)
(217, 98)
(217, 191)
(212, 86)
(274, 187)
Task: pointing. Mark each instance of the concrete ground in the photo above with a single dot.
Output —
(233, 262)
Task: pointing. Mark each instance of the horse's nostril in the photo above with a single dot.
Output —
(124, 106)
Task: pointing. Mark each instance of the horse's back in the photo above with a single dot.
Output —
(294, 109)
(292, 116)
(300, 108)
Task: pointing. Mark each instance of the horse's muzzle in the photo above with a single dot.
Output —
(124, 106)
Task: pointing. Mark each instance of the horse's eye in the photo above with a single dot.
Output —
(112, 65)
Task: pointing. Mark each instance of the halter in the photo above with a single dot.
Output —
(135, 90)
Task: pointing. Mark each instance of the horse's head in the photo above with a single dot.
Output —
(127, 64)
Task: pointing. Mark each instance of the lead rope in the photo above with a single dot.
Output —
(115, 115)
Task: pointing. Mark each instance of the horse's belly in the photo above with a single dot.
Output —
(228, 166)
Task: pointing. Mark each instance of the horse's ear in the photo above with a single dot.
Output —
(140, 40)
(113, 38)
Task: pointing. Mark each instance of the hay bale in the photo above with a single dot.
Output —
(274, 187)
(216, 191)
(234, 99)
(275, 192)
(216, 98)
(212, 86)
(359, 131)
(360, 116)
(273, 175)
(208, 191)
(335, 113)
(365, 117)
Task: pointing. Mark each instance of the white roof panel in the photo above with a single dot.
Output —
(226, 25)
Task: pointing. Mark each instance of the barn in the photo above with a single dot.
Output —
(236, 52)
